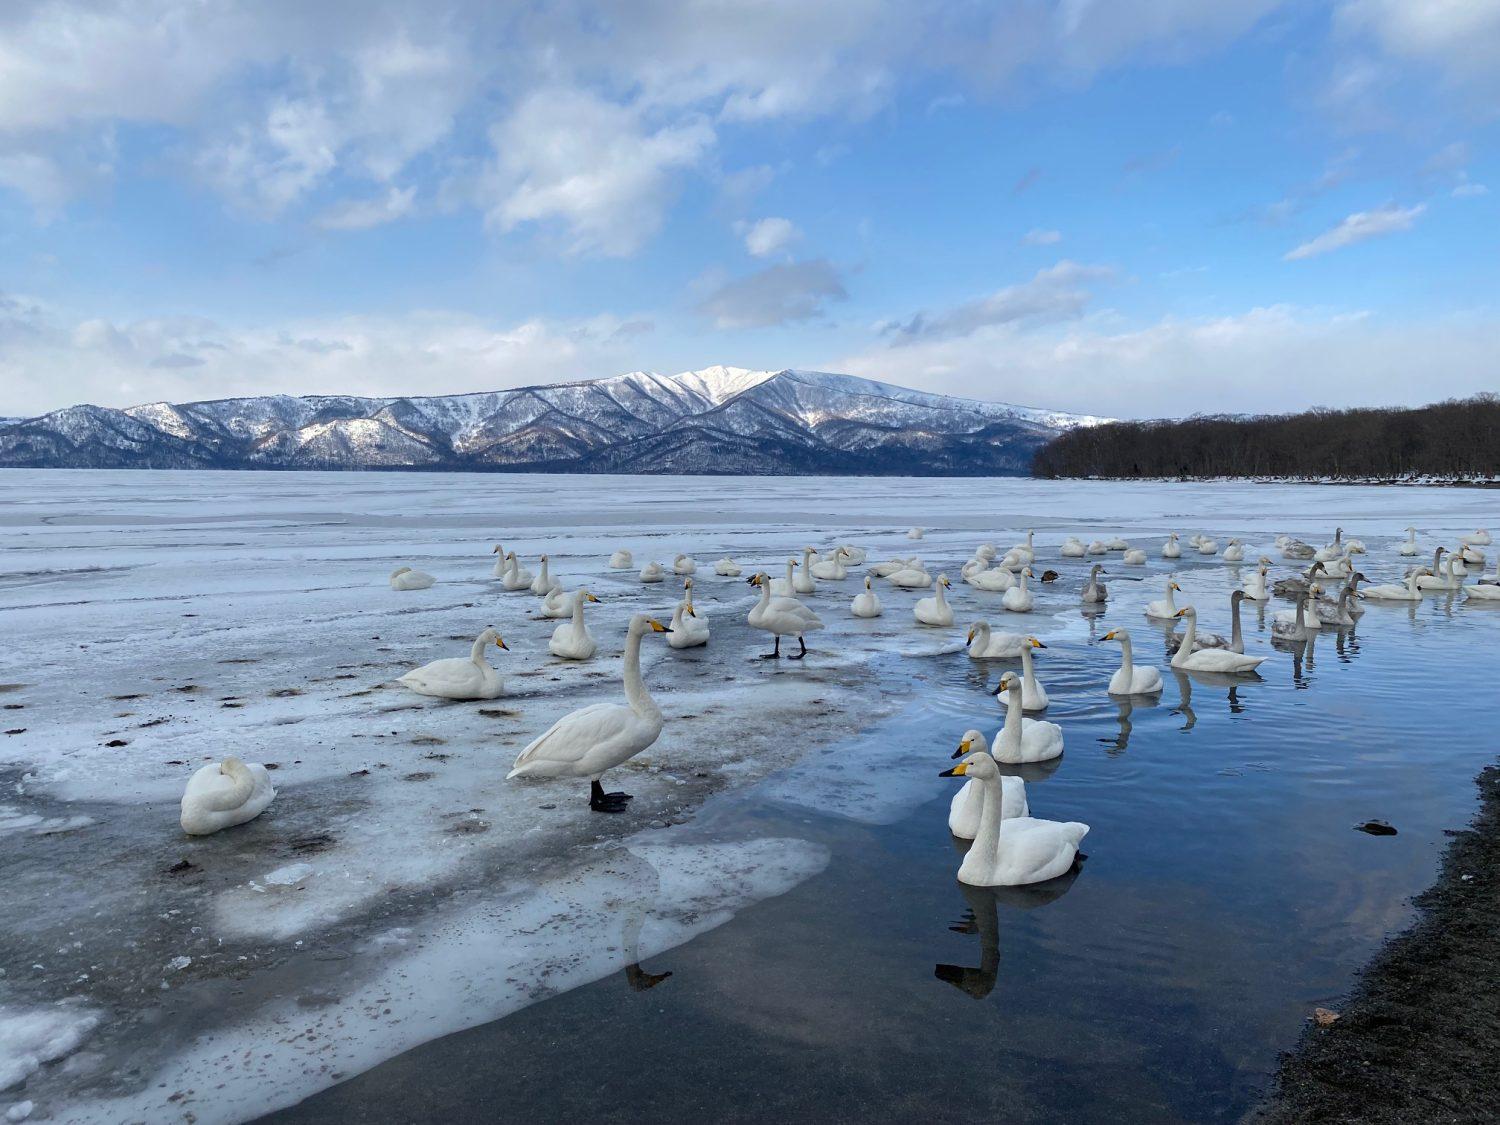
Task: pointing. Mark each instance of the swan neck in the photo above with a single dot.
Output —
(1010, 733)
(1236, 637)
(1127, 657)
(635, 685)
(578, 600)
(476, 654)
(233, 798)
(991, 814)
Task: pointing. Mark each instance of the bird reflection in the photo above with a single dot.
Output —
(635, 904)
(1185, 700)
(1126, 705)
(982, 918)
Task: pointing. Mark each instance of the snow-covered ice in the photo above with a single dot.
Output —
(399, 888)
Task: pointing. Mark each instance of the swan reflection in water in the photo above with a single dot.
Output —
(1127, 705)
(634, 904)
(1233, 681)
(981, 918)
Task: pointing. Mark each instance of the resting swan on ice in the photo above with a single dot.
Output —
(591, 740)
(1012, 851)
(968, 802)
(866, 604)
(727, 568)
(572, 640)
(223, 794)
(543, 584)
(622, 560)
(683, 565)
(653, 572)
(935, 610)
(689, 629)
(515, 578)
(459, 677)
(405, 578)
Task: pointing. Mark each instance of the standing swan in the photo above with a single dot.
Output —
(405, 578)
(1018, 599)
(1013, 851)
(572, 640)
(225, 794)
(968, 802)
(1208, 659)
(586, 742)
(689, 630)
(866, 604)
(781, 617)
(935, 610)
(1128, 679)
(458, 677)
(1023, 740)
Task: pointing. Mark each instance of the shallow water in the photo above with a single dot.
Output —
(824, 961)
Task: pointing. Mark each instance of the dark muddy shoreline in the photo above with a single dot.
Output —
(1418, 1038)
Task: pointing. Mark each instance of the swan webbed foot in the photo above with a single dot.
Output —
(775, 653)
(642, 981)
(801, 653)
(600, 801)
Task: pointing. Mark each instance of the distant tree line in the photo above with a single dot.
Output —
(1459, 438)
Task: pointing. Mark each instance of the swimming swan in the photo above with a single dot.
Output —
(866, 604)
(223, 794)
(1295, 625)
(968, 802)
(1409, 544)
(1012, 851)
(405, 578)
(1190, 659)
(689, 628)
(1395, 592)
(1023, 740)
(986, 645)
(935, 610)
(1166, 608)
(1255, 584)
(781, 617)
(1095, 591)
(1033, 694)
(1128, 679)
(1480, 538)
(458, 677)
(572, 640)
(591, 740)
(1018, 599)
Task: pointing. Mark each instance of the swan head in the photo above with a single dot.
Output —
(1171, 585)
(1035, 642)
(1186, 611)
(973, 742)
(1009, 682)
(759, 580)
(687, 583)
(943, 580)
(1236, 597)
(1028, 573)
(975, 765)
(584, 596)
(496, 549)
(640, 625)
(1115, 635)
(867, 582)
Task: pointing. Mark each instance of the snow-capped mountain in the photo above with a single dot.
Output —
(718, 420)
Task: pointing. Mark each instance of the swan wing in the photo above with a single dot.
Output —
(569, 740)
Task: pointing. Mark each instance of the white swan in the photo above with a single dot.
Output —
(1190, 659)
(1409, 544)
(831, 569)
(1072, 548)
(866, 604)
(589, 741)
(572, 640)
(935, 610)
(557, 605)
(1095, 591)
(1023, 740)
(968, 802)
(515, 578)
(1254, 585)
(1033, 694)
(992, 579)
(781, 617)
(1450, 579)
(1117, 544)
(1235, 552)
(1134, 557)
(1235, 642)
(501, 563)
(1013, 851)
(223, 794)
(1018, 599)
(459, 677)
(684, 565)
(888, 568)
(1488, 592)
(915, 533)
(653, 572)
(405, 578)
(1207, 546)
(911, 577)
(1171, 549)
(727, 568)
(622, 560)
(1396, 592)
(1295, 625)
(983, 644)
(853, 556)
(1295, 549)
(1165, 609)
(803, 581)
(1098, 547)
(1024, 553)
(543, 584)
(689, 628)
(1128, 679)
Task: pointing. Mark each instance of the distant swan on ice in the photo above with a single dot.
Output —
(221, 795)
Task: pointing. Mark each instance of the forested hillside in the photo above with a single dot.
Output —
(1455, 439)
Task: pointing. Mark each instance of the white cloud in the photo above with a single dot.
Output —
(1054, 293)
(1469, 190)
(769, 236)
(1040, 237)
(779, 294)
(48, 361)
(597, 168)
(1268, 359)
(1358, 227)
(362, 214)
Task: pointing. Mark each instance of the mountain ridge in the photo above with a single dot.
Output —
(715, 420)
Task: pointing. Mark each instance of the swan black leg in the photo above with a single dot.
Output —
(600, 801)
(801, 654)
(775, 653)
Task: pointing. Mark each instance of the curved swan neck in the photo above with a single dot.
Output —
(476, 654)
(765, 594)
(635, 686)
(1191, 635)
(244, 785)
(941, 598)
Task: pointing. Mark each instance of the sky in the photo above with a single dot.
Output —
(1135, 208)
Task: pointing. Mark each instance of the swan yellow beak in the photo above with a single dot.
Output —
(1180, 613)
(1035, 643)
(957, 771)
(689, 611)
(970, 639)
(500, 643)
(1109, 636)
(590, 597)
(657, 626)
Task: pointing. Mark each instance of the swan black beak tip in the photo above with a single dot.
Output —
(948, 773)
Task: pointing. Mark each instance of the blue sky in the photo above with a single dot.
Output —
(1137, 208)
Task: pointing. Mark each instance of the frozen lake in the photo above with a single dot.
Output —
(438, 942)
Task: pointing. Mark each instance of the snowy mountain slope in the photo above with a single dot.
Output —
(717, 420)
